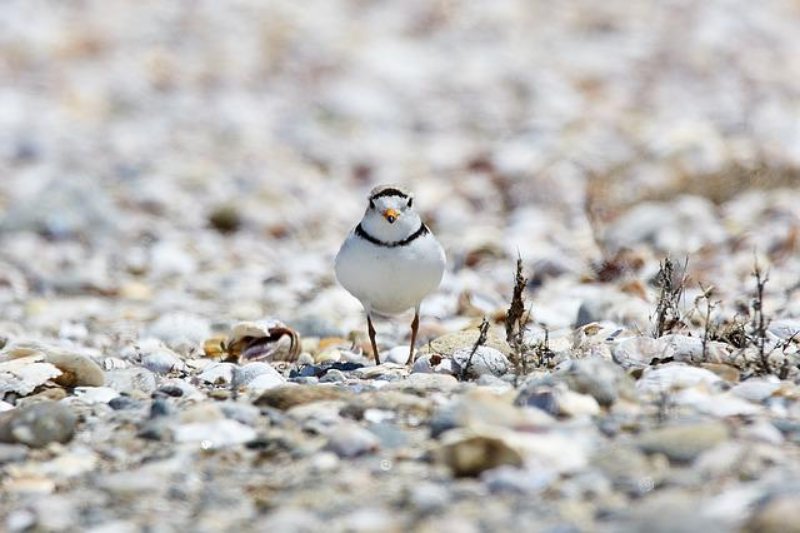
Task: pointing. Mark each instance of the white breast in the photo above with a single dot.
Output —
(390, 280)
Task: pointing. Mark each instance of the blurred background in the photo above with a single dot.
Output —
(210, 157)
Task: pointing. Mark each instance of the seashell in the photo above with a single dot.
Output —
(264, 340)
(76, 369)
(25, 374)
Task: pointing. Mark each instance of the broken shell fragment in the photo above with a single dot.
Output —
(263, 340)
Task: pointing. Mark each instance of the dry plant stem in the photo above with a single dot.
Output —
(516, 318)
(517, 308)
(670, 293)
(707, 327)
(760, 322)
(480, 341)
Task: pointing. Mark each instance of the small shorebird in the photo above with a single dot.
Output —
(391, 260)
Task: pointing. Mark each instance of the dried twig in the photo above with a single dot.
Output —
(480, 341)
(759, 321)
(669, 296)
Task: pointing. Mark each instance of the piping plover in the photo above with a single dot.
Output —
(391, 260)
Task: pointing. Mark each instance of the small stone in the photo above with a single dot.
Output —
(216, 434)
(11, 453)
(225, 218)
(507, 479)
(469, 454)
(683, 443)
(427, 497)
(397, 355)
(446, 345)
(287, 396)
(257, 377)
(604, 380)
(93, 395)
(485, 360)
(163, 361)
(131, 381)
(38, 425)
(778, 513)
(671, 377)
(241, 412)
(123, 402)
(218, 373)
(351, 440)
(427, 382)
(333, 376)
(181, 331)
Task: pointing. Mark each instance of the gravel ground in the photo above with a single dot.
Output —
(175, 180)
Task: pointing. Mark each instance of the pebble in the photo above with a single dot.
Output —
(599, 378)
(351, 440)
(683, 443)
(38, 425)
(181, 331)
(93, 395)
(257, 377)
(485, 361)
(672, 377)
(427, 497)
(163, 361)
(777, 513)
(218, 373)
(507, 479)
(469, 454)
(131, 381)
(215, 434)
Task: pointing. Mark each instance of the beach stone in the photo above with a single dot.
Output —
(93, 395)
(218, 373)
(427, 382)
(427, 497)
(508, 479)
(215, 434)
(131, 381)
(469, 454)
(777, 513)
(675, 376)
(448, 344)
(180, 331)
(351, 440)
(485, 360)
(683, 443)
(604, 380)
(38, 425)
(163, 361)
(257, 377)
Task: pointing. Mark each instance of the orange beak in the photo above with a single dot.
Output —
(391, 215)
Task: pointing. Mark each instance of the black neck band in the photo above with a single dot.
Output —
(423, 229)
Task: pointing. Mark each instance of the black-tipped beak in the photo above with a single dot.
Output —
(390, 215)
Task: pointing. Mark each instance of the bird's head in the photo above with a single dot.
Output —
(390, 214)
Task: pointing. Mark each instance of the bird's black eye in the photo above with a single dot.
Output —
(410, 201)
(372, 204)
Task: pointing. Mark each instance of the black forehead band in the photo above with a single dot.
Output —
(388, 192)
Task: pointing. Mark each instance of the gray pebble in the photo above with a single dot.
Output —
(38, 425)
